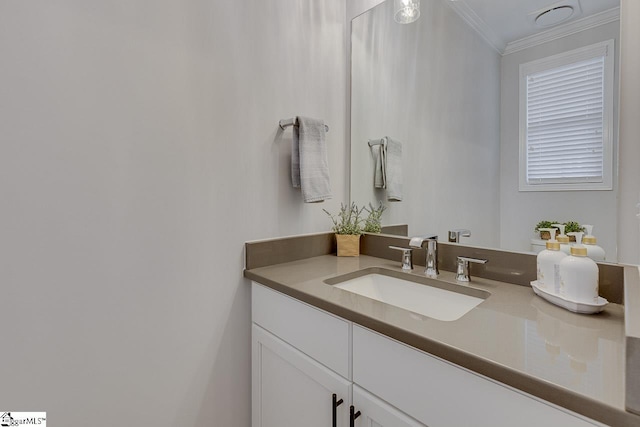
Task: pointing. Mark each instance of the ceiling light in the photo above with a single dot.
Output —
(406, 11)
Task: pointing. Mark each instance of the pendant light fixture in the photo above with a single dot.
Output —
(406, 11)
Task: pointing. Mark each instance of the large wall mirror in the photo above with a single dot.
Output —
(447, 88)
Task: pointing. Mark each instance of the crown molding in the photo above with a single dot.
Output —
(564, 30)
(503, 48)
(477, 24)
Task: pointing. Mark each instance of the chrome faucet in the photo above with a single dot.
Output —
(431, 243)
(454, 235)
(462, 273)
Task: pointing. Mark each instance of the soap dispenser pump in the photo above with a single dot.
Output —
(563, 239)
(579, 275)
(594, 251)
(548, 263)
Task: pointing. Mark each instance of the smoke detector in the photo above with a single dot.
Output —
(556, 13)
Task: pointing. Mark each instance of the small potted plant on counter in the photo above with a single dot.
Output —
(545, 235)
(572, 227)
(348, 227)
(373, 223)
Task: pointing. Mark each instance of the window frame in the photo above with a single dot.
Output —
(605, 49)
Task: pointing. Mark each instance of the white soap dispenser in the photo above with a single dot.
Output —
(563, 239)
(579, 275)
(594, 251)
(548, 263)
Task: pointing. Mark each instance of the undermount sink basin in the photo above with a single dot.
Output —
(422, 295)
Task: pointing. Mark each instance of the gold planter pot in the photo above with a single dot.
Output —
(348, 244)
(545, 235)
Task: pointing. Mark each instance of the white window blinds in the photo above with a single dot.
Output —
(566, 121)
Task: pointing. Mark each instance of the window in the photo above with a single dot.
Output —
(566, 121)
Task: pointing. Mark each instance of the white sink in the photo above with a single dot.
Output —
(422, 298)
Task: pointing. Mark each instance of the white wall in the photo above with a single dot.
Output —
(628, 234)
(521, 211)
(358, 7)
(443, 105)
(138, 151)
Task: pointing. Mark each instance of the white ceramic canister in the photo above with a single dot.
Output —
(579, 275)
(548, 263)
(594, 251)
(563, 239)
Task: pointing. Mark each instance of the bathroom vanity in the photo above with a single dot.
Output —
(321, 353)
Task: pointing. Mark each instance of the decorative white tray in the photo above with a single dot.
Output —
(576, 307)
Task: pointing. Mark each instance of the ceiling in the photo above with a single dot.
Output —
(502, 22)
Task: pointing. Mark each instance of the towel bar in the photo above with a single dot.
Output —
(294, 122)
(373, 142)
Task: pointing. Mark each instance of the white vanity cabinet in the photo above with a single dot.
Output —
(441, 394)
(291, 389)
(300, 360)
(375, 412)
(303, 355)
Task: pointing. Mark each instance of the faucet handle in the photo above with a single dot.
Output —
(407, 261)
(462, 273)
(454, 235)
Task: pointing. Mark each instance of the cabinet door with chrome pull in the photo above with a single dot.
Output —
(289, 389)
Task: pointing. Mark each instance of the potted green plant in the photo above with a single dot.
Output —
(373, 223)
(572, 227)
(348, 227)
(545, 235)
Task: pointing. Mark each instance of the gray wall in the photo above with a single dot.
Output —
(521, 211)
(443, 105)
(139, 150)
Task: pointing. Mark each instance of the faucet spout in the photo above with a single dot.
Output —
(430, 243)
(418, 242)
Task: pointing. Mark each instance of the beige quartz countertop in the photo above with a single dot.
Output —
(575, 361)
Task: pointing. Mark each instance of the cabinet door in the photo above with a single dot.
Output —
(377, 413)
(290, 389)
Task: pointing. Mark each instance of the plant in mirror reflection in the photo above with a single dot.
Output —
(572, 227)
(545, 224)
(373, 223)
(569, 227)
